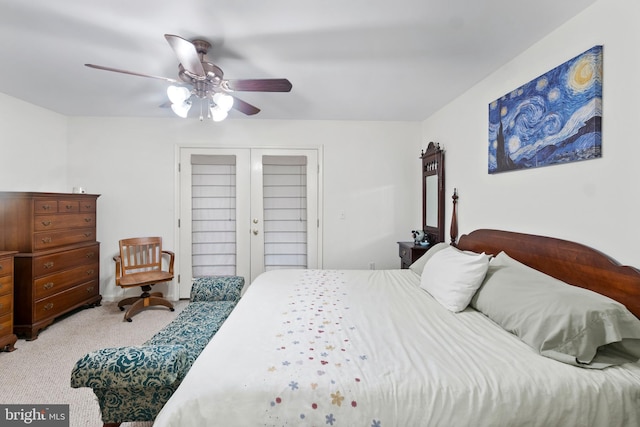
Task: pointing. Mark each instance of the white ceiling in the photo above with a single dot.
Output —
(346, 59)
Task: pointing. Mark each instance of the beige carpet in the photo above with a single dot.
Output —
(39, 371)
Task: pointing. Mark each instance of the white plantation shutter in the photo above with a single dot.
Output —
(213, 197)
(226, 224)
(285, 212)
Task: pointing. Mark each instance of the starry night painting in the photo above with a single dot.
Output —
(556, 118)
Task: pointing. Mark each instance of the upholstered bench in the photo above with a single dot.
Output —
(133, 383)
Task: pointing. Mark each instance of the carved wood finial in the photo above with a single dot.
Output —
(432, 148)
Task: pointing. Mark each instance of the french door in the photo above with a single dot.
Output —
(245, 211)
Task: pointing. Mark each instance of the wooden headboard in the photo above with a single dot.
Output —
(570, 262)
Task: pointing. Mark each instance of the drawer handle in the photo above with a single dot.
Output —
(404, 252)
(87, 207)
(90, 254)
(87, 220)
(46, 207)
(90, 272)
(87, 234)
(48, 285)
(69, 207)
(1, 267)
(48, 306)
(46, 240)
(90, 289)
(46, 223)
(48, 264)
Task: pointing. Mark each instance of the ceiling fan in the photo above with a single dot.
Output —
(205, 81)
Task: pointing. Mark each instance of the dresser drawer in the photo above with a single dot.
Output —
(6, 304)
(405, 255)
(54, 283)
(49, 264)
(87, 205)
(6, 325)
(409, 253)
(6, 284)
(56, 222)
(44, 240)
(65, 300)
(68, 206)
(6, 266)
(45, 206)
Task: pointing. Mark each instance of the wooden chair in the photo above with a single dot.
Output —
(139, 264)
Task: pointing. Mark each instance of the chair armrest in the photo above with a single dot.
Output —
(131, 367)
(171, 259)
(118, 262)
(217, 288)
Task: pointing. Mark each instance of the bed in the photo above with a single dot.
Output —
(375, 349)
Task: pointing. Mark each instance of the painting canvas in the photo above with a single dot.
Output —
(556, 118)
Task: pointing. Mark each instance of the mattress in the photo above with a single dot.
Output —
(371, 348)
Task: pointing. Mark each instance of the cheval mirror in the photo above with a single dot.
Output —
(433, 193)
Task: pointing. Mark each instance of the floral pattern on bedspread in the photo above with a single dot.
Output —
(318, 357)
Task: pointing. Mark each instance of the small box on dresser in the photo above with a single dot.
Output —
(56, 269)
(7, 337)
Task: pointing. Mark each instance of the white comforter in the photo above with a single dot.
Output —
(372, 349)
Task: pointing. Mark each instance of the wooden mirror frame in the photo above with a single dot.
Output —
(433, 164)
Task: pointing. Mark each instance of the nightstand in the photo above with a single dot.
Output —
(410, 252)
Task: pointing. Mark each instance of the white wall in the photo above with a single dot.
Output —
(34, 147)
(595, 202)
(371, 173)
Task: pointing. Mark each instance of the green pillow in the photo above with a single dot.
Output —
(563, 322)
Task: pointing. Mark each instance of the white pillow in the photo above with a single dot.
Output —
(452, 277)
(418, 265)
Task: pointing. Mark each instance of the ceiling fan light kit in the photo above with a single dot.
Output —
(181, 109)
(207, 82)
(223, 100)
(217, 113)
(178, 94)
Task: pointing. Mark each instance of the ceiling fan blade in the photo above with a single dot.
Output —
(244, 107)
(100, 67)
(259, 85)
(187, 55)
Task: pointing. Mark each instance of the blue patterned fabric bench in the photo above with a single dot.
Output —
(133, 383)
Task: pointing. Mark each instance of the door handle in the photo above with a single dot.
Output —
(255, 231)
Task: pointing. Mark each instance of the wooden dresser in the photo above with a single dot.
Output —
(7, 337)
(57, 266)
